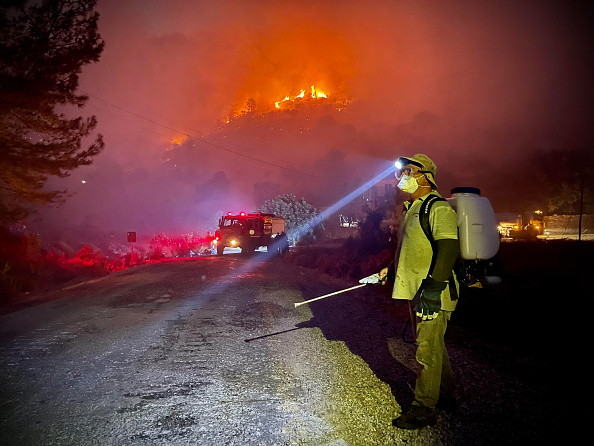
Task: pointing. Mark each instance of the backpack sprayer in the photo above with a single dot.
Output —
(478, 236)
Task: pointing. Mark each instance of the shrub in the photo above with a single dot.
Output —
(373, 236)
(18, 255)
(302, 218)
(164, 247)
(88, 255)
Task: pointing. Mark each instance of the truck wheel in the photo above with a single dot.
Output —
(220, 249)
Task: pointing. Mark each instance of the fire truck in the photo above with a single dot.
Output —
(526, 226)
(247, 231)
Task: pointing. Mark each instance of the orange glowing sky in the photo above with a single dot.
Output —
(491, 64)
(471, 83)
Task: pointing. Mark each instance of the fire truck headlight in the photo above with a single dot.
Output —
(233, 242)
(215, 241)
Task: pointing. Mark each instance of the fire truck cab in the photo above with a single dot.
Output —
(247, 231)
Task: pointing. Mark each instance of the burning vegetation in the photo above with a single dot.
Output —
(308, 98)
(28, 265)
(315, 94)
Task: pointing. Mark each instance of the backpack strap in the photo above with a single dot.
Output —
(424, 220)
(424, 214)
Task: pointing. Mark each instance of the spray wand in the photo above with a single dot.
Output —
(374, 279)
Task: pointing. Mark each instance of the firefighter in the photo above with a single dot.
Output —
(427, 290)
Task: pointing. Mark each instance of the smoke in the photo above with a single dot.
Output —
(475, 85)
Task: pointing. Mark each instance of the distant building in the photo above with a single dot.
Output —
(370, 200)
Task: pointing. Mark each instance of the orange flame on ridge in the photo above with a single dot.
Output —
(315, 94)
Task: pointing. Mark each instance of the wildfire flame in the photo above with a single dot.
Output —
(315, 94)
(177, 141)
(287, 103)
(277, 104)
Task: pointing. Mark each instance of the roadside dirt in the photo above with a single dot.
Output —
(212, 352)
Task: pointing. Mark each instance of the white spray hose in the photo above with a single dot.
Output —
(328, 295)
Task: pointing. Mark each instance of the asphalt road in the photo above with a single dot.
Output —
(212, 351)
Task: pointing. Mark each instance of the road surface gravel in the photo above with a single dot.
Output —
(212, 351)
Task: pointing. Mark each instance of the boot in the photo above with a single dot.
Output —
(417, 417)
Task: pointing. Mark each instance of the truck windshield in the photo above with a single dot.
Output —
(227, 222)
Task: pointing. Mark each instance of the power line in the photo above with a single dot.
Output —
(200, 139)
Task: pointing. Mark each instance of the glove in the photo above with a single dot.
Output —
(374, 279)
(381, 277)
(429, 303)
(387, 274)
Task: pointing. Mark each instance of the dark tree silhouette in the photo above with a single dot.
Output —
(250, 106)
(43, 47)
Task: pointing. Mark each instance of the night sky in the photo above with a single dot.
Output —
(475, 85)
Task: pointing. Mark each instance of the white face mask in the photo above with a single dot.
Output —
(408, 184)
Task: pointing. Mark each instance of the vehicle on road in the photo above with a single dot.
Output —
(247, 231)
(527, 226)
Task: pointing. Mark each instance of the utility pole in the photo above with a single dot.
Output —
(581, 208)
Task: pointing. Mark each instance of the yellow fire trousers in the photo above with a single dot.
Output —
(435, 378)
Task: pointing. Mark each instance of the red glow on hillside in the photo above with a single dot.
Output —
(309, 64)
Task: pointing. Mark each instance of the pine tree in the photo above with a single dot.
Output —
(43, 47)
